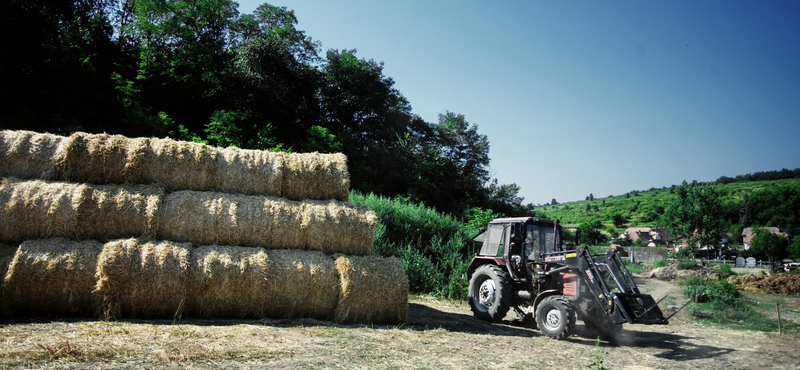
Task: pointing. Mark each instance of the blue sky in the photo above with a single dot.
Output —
(580, 97)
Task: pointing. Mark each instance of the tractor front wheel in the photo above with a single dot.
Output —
(489, 293)
(555, 317)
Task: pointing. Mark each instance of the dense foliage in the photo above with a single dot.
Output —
(199, 70)
(430, 244)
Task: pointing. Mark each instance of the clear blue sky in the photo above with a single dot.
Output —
(580, 97)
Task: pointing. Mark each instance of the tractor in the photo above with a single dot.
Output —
(522, 264)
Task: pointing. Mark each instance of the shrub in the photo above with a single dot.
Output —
(685, 264)
(710, 290)
(428, 243)
(725, 269)
(661, 263)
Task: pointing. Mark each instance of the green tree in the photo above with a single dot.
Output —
(180, 49)
(274, 78)
(321, 140)
(590, 232)
(694, 213)
(777, 206)
(626, 240)
(793, 251)
(56, 59)
(619, 220)
(371, 119)
(767, 245)
(505, 198)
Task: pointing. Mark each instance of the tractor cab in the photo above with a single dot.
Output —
(513, 242)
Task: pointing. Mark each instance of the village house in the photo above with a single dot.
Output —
(747, 235)
(650, 236)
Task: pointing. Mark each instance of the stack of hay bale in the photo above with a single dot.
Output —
(117, 227)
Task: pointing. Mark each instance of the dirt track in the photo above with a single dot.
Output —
(440, 334)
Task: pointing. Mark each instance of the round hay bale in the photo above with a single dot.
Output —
(315, 176)
(106, 159)
(301, 284)
(7, 253)
(337, 227)
(143, 279)
(53, 277)
(373, 290)
(182, 165)
(119, 211)
(228, 282)
(31, 155)
(35, 209)
(261, 221)
(254, 172)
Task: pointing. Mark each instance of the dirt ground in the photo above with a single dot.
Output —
(439, 334)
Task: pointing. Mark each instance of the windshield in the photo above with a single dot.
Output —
(539, 240)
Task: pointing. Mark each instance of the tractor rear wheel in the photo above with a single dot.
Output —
(489, 293)
(555, 317)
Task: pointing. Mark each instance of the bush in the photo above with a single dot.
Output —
(725, 269)
(686, 264)
(710, 290)
(427, 242)
(661, 263)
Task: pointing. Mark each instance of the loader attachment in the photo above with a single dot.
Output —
(616, 282)
(639, 309)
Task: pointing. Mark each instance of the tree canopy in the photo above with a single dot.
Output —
(200, 70)
(694, 214)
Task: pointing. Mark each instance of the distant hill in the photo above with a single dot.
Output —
(646, 208)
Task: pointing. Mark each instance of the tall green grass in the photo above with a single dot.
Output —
(719, 303)
(428, 243)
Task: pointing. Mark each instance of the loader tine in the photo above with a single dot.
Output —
(681, 308)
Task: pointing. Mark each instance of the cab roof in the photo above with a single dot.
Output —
(523, 220)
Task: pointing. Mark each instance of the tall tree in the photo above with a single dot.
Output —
(362, 108)
(180, 50)
(275, 81)
(693, 213)
(767, 245)
(56, 57)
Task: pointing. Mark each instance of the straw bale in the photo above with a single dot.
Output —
(338, 227)
(31, 155)
(52, 277)
(315, 176)
(35, 209)
(7, 253)
(119, 211)
(228, 282)
(255, 172)
(182, 165)
(373, 290)
(106, 159)
(261, 221)
(146, 279)
(301, 284)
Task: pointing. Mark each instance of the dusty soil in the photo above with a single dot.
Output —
(440, 334)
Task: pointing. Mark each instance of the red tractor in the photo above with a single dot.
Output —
(522, 264)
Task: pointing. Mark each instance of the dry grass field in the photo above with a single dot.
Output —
(439, 334)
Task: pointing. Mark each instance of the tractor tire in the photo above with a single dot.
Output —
(555, 317)
(603, 327)
(489, 293)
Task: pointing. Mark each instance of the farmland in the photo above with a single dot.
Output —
(439, 334)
